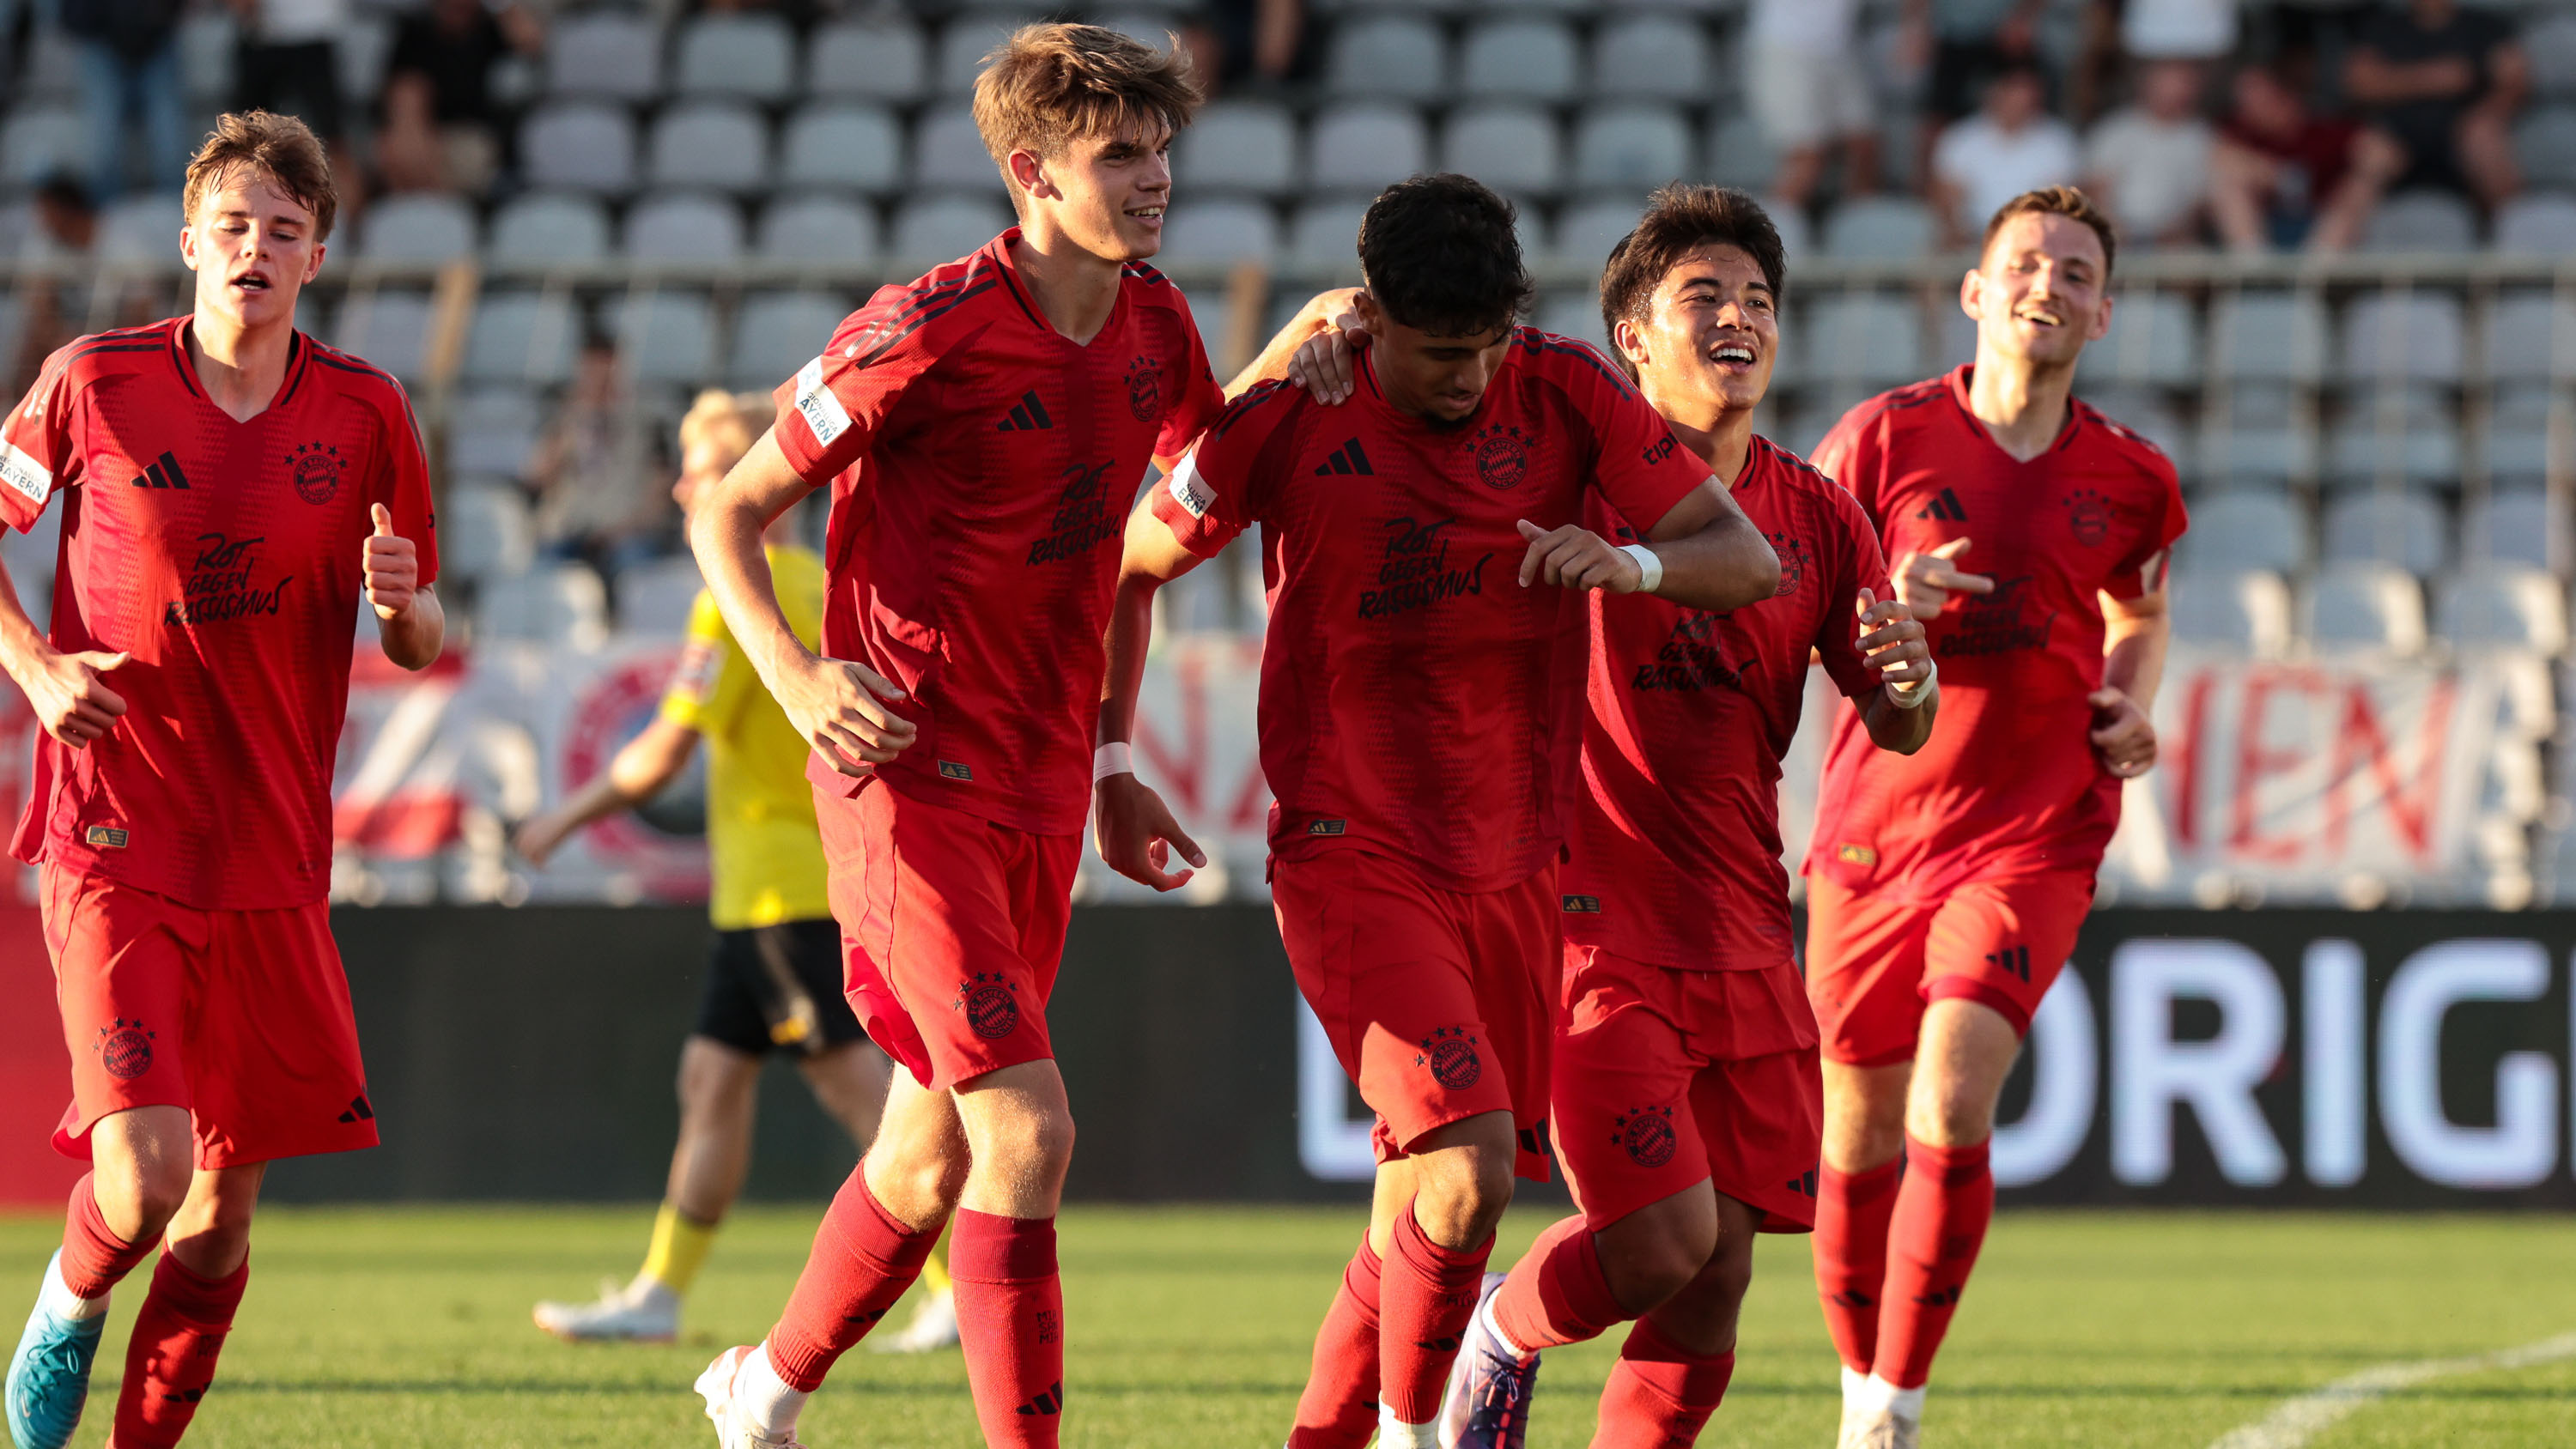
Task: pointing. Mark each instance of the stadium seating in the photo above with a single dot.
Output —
(611, 54)
(37, 141)
(718, 145)
(1527, 58)
(1238, 146)
(1514, 149)
(2154, 341)
(2244, 612)
(484, 533)
(521, 338)
(777, 332)
(655, 598)
(684, 227)
(388, 327)
(933, 229)
(2510, 528)
(563, 604)
(539, 227)
(1220, 231)
(2245, 532)
(2421, 221)
(140, 229)
(580, 146)
(2267, 336)
(2363, 608)
(1883, 228)
(841, 147)
(2542, 223)
(2503, 607)
(418, 228)
(2403, 528)
(1630, 148)
(493, 431)
(749, 57)
(876, 58)
(1366, 147)
(1869, 338)
(818, 229)
(665, 337)
(948, 153)
(1651, 56)
(1387, 57)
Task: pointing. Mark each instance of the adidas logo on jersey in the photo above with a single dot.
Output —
(163, 474)
(1345, 459)
(1028, 416)
(1945, 507)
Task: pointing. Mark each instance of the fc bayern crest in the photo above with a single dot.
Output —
(992, 1008)
(1502, 456)
(1647, 1135)
(315, 467)
(1451, 1055)
(125, 1049)
(1793, 563)
(2088, 516)
(1145, 389)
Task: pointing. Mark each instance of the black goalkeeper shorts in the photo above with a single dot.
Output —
(778, 988)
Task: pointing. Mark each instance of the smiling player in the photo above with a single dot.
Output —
(981, 429)
(1945, 888)
(233, 492)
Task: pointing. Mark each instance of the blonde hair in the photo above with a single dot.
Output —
(280, 148)
(2066, 201)
(730, 419)
(1050, 85)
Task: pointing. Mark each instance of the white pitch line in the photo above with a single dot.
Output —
(2298, 1420)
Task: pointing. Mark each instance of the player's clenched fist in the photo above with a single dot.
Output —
(391, 565)
(1926, 580)
(839, 706)
(2124, 739)
(1575, 557)
(1893, 642)
(1137, 834)
(70, 696)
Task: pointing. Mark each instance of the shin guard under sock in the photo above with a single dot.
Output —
(1940, 1223)
(170, 1360)
(95, 1259)
(1424, 1302)
(1660, 1395)
(1557, 1293)
(1850, 1246)
(1010, 1318)
(862, 1261)
(1338, 1410)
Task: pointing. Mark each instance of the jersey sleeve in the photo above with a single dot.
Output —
(1201, 400)
(1639, 468)
(1220, 488)
(403, 486)
(837, 404)
(2143, 570)
(1849, 456)
(36, 454)
(694, 699)
(1858, 565)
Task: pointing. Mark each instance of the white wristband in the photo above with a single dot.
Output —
(1113, 758)
(1911, 696)
(1648, 565)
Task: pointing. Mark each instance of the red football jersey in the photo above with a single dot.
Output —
(226, 558)
(2009, 783)
(1415, 699)
(981, 466)
(1676, 853)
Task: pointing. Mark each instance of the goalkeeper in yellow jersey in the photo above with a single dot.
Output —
(774, 982)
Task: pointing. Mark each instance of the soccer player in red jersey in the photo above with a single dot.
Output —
(233, 491)
(1421, 694)
(1686, 1100)
(1945, 887)
(982, 429)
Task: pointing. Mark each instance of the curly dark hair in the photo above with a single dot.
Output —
(1439, 254)
(1679, 220)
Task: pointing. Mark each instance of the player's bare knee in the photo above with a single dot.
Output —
(1461, 1194)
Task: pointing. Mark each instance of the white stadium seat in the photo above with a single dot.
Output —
(841, 146)
(1658, 57)
(2392, 336)
(417, 227)
(1737, 154)
(819, 229)
(1516, 150)
(665, 335)
(493, 431)
(1862, 337)
(141, 229)
(564, 604)
(2549, 44)
(549, 227)
(579, 146)
(778, 332)
(1238, 146)
(484, 532)
(1880, 228)
(962, 48)
(2240, 532)
(880, 58)
(1220, 230)
(2154, 340)
(2421, 221)
(36, 142)
(1573, 314)
(2402, 528)
(684, 227)
(751, 56)
(2245, 612)
(2511, 528)
(1528, 58)
(385, 328)
(2537, 224)
(718, 145)
(935, 229)
(2502, 606)
(1629, 147)
(2394, 435)
(656, 597)
(1327, 229)
(2267, 336)
(2545, 143)
(2530, 337)
(1366, 147)
(523, 339)
(1387, 57)
(611, 54)
(948, 153)
(2363, 608)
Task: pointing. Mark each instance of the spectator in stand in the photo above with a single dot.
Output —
(2147, 164)
(440, 128)
(130, 71)
(1809, 91)
(288, 61)
(66, 229)
(2010, 146)
(1969, 43)
(2443, 83)
(2132, 32)
(2285, 177)
(598, 473)
(1235, 41)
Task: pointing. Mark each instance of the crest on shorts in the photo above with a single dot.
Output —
(315, 467)
(2088, 516)
(1646, 1134)
(991, 1003)
(125, 1049)
(1502, 456)
(1451, 1054)
(1145, 388)
(1793, 563)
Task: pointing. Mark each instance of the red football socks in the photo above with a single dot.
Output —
(94, 1259)
(1424, 1302)
(1852, 1214)
(1010, 1316)
(863, 1259)
(1660, 1395)
(170, 1360)
(1339, 1408)
(1557, 1293)
(1941, 1217)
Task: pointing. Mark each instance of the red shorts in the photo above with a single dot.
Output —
(1440, 1004)
(951, 929)
(241, 1017)
(1666, 1079)
(1872, 966)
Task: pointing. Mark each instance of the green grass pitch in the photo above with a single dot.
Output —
(409, 1326)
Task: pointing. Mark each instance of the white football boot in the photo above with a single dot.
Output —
(734, 1429)
(630, 1314)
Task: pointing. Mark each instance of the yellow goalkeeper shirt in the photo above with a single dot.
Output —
(763, 852)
